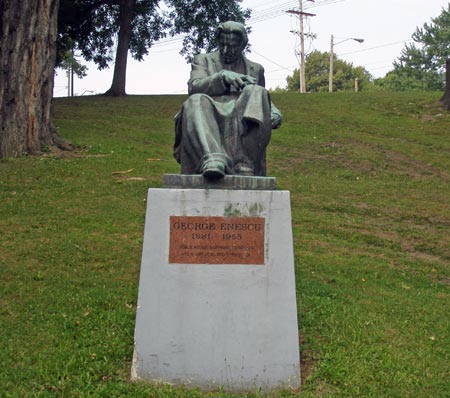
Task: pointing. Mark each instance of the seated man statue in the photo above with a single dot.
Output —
(225, 125)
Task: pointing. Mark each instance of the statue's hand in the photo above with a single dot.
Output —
(249, 80)
(237, 80)
(276, 120)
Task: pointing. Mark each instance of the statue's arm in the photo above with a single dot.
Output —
(261, 79)
(202, 81)
(275, 113)
(275, 116)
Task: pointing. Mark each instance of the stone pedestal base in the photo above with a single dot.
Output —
(217, 302)
(196, 181)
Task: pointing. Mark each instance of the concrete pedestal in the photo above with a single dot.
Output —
(217, 302)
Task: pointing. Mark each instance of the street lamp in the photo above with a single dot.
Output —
(330, 81)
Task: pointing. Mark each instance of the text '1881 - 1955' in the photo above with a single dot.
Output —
(216, 240)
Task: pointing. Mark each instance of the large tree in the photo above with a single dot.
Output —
(422, 63)
(91, 26)
(317, 74)
(27, 59)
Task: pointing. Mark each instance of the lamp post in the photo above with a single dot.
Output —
(330, 80)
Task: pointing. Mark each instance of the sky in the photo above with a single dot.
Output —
(385, 25)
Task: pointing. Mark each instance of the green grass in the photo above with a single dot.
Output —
(369, 176)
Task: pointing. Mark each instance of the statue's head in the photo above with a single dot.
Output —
(231, 39)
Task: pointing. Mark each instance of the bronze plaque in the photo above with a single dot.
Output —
(216, 240)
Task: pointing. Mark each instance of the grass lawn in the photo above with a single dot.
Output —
(369, 176)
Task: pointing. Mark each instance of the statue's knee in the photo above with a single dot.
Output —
(255, 89)
(193, 100)
(197, 102)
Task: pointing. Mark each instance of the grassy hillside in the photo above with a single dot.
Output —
(369, 176)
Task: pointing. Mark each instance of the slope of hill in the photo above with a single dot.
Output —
(369, 176)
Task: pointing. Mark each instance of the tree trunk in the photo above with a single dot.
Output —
(120, 67)
(28, 30)
(445, 100)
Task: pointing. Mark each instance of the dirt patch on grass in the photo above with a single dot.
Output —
(79, 153)
(432, 118)
(363, 157)
(413, 167)
(426, 257)
(307, 361)
(430, 250)
(445, 281)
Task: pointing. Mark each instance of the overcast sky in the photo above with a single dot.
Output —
(385, 26)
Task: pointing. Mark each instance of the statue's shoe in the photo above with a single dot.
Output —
(213, 170)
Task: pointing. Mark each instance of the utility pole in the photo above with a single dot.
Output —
(330, 79)
(69, 81)
(302, 50)
(72, 81)
(70, 76)
(301, 33)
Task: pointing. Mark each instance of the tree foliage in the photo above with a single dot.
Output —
(317, 74)
(198, 19)
(421, 64)
(400, 79)
(91, 26)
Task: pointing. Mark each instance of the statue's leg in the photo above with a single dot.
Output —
(203, 151)
(253, 109)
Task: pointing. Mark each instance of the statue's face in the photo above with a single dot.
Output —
(230, 47)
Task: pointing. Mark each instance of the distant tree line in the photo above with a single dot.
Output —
(318, 70)
(421, 65)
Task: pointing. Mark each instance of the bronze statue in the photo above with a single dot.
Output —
(225, 125)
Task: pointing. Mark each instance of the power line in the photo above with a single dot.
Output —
(379, 67)
(291, 69)
(271, 12)
(275, 7)
(280, 9)
(166, 51)
(260, 4)
(323, 3)
(169, 40)
(258, 16)
(374, 48)
(273, 62)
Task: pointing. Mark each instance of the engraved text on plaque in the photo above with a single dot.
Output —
(216, 240)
